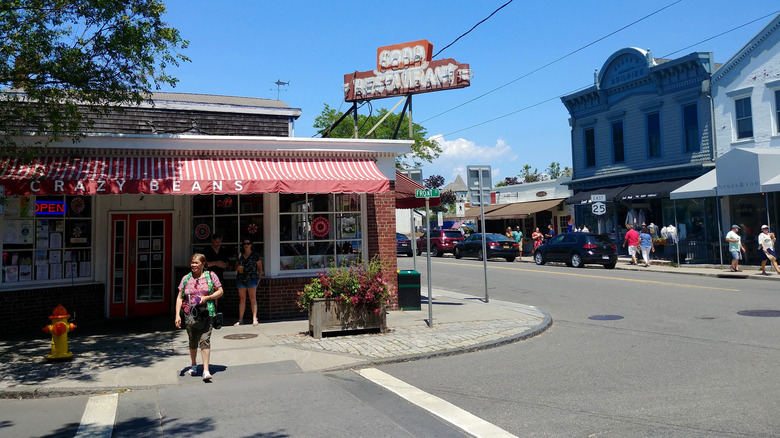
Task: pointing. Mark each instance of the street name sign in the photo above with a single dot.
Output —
(426, 193)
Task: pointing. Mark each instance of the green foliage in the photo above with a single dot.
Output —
(423, 150)
(361, 285)
(555, 172)
(529, 176)
(64, 63)
(434, 182)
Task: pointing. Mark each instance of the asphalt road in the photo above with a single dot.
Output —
(666, 355)
(681, 362)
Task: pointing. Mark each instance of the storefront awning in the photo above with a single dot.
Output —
(773, 185)
(474, 212)
(404, 193)
(189, 175)
(701, 187)
(743, 171)
(522, 210)
(650, 191)
(583, 197)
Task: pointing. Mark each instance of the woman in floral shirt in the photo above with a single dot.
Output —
(196, 297)
(249, 269)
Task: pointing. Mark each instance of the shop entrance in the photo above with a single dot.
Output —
(140, 264)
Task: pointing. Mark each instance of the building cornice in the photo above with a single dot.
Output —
(746, 50)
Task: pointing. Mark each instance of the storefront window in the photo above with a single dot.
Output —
(319, 230)
(233, 217)
(47, 238)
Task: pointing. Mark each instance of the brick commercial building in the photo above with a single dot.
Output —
(106, 226)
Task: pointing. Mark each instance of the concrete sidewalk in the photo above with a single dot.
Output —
(151, 353)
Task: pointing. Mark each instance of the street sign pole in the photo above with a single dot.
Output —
(428, 194)
(413, 237)
(428, 254)
(484, 237)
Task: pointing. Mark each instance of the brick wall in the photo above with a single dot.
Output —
(28, 310)
(381, 232)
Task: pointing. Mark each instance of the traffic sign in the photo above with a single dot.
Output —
(426, 193)
(599, 208)
(598, 198)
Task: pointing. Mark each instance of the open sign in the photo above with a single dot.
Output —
(50, 208)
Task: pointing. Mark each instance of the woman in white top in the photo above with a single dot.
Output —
(766, 249)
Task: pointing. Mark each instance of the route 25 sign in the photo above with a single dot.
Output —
(599, 208)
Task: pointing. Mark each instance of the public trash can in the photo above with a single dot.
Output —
(409, 290)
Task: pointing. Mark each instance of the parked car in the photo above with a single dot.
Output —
(442, 240)
(498, 245)
(403, 245)
(578, 249)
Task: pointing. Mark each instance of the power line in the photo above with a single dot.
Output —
(473, 27)
(552, 62)
(723, 33)
(583, 87)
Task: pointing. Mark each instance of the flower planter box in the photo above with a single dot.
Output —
(327, 316)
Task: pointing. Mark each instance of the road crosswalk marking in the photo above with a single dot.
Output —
(445, 410)
(99, 417)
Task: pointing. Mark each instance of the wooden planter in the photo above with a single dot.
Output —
(327, 316)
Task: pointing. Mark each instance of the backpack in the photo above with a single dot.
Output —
(210, 303)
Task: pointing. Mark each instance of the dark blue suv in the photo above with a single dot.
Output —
(578, 249)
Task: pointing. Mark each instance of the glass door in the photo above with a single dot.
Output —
(140, 264)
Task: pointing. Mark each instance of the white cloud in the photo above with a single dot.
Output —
(457, 154)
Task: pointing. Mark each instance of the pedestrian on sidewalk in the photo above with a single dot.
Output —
(197, 292)
(632, 241)
(766, 249)
(249, 269)
(646, 244)
(550, 233)
(537, 237)
(736, 248)
(517, 235)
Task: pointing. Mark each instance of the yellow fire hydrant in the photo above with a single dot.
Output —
(59, 329)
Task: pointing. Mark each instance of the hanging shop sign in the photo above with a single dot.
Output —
(403, 69)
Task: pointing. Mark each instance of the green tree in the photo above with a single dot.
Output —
(423, 150)
(529, 176)
(555, 172)
(64, 63)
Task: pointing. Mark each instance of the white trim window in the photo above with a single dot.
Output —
(320, 230)
(47, 237)
(744, 118)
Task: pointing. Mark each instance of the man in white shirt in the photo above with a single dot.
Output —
(736, 248)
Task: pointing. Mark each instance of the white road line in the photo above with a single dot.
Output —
(99, 417)
(443, 409)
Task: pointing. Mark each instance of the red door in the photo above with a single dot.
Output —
(140, 264)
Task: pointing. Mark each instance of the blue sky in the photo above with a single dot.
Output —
(241, 47)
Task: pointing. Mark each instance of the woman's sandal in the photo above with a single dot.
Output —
(254, 322)
(237, 324)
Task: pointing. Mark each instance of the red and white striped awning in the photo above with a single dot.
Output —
(189, 175)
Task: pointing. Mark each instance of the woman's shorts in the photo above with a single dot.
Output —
(199, 333)
(247, 285)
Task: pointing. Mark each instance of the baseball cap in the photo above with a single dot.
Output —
(735, 226)
(764, 226)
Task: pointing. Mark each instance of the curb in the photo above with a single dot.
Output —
(541, 328)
